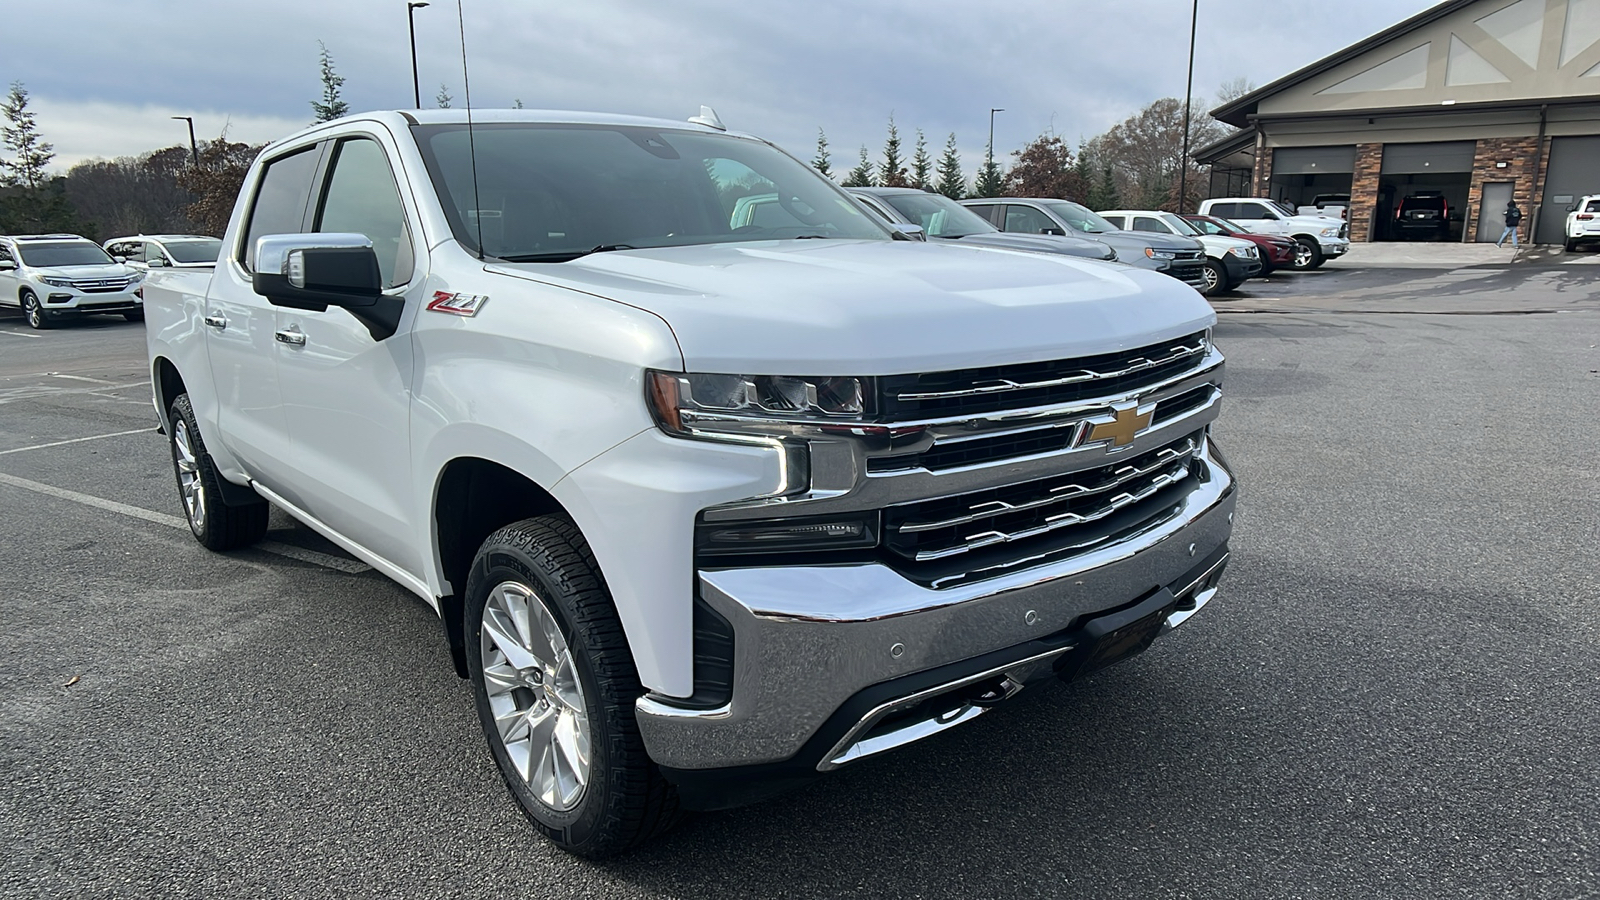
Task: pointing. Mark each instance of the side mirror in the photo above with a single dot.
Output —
(315, 271)
(8, 265)
(119, 259)
(1058, 232)
(154, 263)
(914, 232)
(1269, 217)
(1572, 209)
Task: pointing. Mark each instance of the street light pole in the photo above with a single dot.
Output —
(411, 24)
(991, 133)
(194, 149)
(1188, 98)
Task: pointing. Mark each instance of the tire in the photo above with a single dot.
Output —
(1216, 280)
(574, 676)
(35, 315)
(215, 524)
(1309, 256)
(1572, 246)
(134, 316)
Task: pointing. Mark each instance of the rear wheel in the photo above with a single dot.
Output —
(33, 312)
(215, 523)
(1216, 280)
(1572, 246)
(1307, 256)
(555, 686)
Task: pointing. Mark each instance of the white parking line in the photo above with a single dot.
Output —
(21, 334)
(327, 561)
(96, 437)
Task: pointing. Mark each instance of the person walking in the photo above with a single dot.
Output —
(1513, 219)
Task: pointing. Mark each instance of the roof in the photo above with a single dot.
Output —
(163, 237)
(1216, 151)
(887, 191)
(46, 237)
(1238, 112)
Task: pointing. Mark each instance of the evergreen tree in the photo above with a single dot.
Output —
(1104, 193)
(331, 107)
(861, 175)
(893, 171)
(517, 103)
(952, 183)
(821, 162)
(921, 165)
(990, 181)
(20, 135)
(443, 98)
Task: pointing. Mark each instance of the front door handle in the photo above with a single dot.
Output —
(217, 321)
(291, 336)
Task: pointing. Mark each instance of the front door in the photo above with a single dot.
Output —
(346, 393)
(1492, 210)
(239, 326)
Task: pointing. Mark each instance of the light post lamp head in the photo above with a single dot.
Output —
(415, 5)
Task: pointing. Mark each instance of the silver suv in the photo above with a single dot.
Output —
(178, 251)
(54, 276)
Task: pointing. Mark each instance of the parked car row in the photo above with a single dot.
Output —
(52, 277)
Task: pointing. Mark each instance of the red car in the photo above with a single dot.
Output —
(1276, 250)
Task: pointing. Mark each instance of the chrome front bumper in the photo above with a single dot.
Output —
(808, 639)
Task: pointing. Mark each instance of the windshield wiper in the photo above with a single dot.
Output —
(811, 237)
(566, 255)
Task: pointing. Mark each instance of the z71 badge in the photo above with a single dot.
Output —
(457, 304)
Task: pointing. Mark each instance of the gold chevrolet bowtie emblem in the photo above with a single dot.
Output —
(1121, 430)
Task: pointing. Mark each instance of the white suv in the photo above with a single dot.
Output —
(54, 276)
(1230, 261)
(178, 251)
(1321, 237)
(1583, 222)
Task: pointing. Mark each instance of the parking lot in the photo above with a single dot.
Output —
(1395, 695)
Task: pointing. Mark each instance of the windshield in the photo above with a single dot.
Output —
(1179, 225)
(552, 193)
(205, 251)
(66, 253)
(939, 216)
(1079, 217)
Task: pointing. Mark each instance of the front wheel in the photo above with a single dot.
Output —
(1307, 256)
(37, 318)
(555, 686)
(215, 523)
(1215, 280)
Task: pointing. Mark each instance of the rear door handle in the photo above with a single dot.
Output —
(291, 336)
(217, 321)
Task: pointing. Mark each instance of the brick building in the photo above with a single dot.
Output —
(1473, 101)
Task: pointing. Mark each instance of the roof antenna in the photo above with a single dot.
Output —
(707, 117)
(472, 147)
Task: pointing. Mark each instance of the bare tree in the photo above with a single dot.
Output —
(132, 194)
(216, 182)
(1146, 150)
(1045, 168)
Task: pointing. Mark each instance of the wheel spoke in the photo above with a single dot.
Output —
(498, 626)
(572, 743)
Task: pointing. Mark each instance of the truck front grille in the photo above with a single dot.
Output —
(952, 539)
(964, 391)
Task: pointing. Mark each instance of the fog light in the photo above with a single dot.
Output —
(58, 298)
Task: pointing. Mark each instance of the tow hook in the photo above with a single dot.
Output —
(993, 692)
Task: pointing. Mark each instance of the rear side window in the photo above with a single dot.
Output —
(1225, 210)
(362, 198)
(1146, 223)
(1249, 211)
(1119, 221)
(1592, 206)
(1027, 220)
(280, 201)
(5, 252)
(986, 210)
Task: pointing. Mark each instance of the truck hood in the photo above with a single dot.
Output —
(1129, 244)
(880, 307)
(1039, 243)
(1316, 223)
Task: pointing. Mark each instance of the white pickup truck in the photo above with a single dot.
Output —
(1321, 238)
(706, 510)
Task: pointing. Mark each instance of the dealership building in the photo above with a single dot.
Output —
(1476, 102)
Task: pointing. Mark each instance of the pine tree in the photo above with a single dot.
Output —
(20, 134)
(921, 165)
(1104, 193)
(952, 183)
(517, 103)
(821, 162)
(443, 98)
(892, 173)
(990, 180)
(331, 107)
(861, 175)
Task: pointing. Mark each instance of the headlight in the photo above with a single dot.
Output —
(135, 276)
(56, 282)
(700, 405)
(1330, 232)
(1153, 253)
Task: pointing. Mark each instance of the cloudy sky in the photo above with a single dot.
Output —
(116, 70)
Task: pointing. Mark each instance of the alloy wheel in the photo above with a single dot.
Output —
(1212, 281)
(30, 308)
(1302, 256)
(190, 486)
(535, 696)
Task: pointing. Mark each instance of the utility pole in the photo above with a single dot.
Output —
(1188, 98)
(991, 133)
(194, 149)
(411, 24)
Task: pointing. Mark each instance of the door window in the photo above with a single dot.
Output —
(1027, 220)
(1225, 210)
(152, 253)
(1148, 223)
(5, 252)
(280, 201)
(1252, 211)
(1119, 221)
(986, 210)
(362, 198)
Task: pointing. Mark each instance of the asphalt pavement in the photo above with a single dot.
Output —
(1395, 695)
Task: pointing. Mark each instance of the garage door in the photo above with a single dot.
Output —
(1574, 171)
(1313, 160)
(1428, 159)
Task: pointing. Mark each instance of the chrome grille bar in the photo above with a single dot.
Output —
(1178, 352)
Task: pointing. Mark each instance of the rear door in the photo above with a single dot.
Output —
(1254, 216)
(239, 326)
(346, 393)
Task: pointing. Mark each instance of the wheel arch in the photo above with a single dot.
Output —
(167, 383)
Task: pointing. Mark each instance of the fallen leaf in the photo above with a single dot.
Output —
(72, 681)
